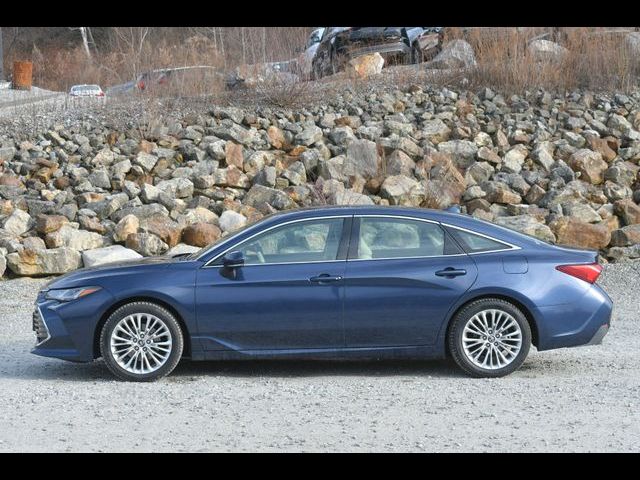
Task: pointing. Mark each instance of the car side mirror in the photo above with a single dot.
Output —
(233, 260)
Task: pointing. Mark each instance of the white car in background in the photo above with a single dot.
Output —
(305, 59)
(86, 91)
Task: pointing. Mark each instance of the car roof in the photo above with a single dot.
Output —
(447, 218)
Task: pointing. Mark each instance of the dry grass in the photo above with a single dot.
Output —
(597, 59)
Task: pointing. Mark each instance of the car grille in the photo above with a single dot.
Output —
(42, 332)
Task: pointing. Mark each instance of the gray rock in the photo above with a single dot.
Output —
(546, 50)
(310, 134)
(176, 187)
(514, 159)
(455, 54)
(146, 244)
(259, 194)
(361, 159)
(68, 236)
(102, 256)
(402, 190)
(230, 221)
(146, 161)
(18, 222)
(349, 197)
(296, 173)
(529, 225)
(463, 152)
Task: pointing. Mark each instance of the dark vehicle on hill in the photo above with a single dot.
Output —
(398, 45)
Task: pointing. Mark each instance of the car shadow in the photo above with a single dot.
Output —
(317, 368)
(187, 370)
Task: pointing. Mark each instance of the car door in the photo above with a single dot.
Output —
(403, 275)
(287, 296)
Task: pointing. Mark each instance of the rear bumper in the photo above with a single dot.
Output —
(584, 322)
(600, 334)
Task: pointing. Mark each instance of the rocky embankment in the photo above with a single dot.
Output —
(563, 168)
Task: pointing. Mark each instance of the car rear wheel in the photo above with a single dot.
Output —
(489, 337)
(141, 342)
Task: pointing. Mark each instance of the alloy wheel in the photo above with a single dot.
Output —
(492, 339)
(141, 343)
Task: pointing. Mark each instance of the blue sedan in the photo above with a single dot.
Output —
(332, 282)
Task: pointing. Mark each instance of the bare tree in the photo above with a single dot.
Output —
(85, 40)
(1, 58)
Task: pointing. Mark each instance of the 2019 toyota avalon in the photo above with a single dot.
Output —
(332, 282)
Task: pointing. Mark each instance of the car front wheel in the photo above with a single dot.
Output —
(489, 337)
(141, 342)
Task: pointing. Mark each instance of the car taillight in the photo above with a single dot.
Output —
(101, 94)
(588, 272)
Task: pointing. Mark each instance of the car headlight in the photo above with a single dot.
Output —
(68, 294)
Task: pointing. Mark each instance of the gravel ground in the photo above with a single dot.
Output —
(581, 399)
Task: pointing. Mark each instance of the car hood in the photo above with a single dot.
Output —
(85, 276)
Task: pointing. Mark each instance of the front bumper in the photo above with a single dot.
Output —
(66, 330)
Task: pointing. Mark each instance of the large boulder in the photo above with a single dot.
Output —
(590, 165)
(44, 262)
(362, 158)
(67, 236)
(125, 227)
(365, 65)
(114, 253)
(348, 197)
(230, 221)
(546, 50)
(18, 222)
(166, 229)
(625, 236)
(628, 211)
(258, 195)
(201, 234)
(454, 54)
(3, 263)
(50, 223)
(146, 244)
(575, 233)
(463, 152)
(402, 190)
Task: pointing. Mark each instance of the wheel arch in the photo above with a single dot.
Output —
(185, 331)
(501, 296)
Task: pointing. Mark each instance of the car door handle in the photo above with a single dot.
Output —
(451, 272)
(325, 277)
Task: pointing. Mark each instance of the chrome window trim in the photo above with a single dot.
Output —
(473, 232)
(298, 220)
(46, 327)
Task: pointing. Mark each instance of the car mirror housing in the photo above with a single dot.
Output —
(233, 260)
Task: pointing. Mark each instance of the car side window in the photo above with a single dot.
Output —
(473, 243)
(400, 238)
(306, 241)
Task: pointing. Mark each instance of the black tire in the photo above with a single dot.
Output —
(456, 330)
(177, 341)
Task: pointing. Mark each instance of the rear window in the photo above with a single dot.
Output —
(473, 243)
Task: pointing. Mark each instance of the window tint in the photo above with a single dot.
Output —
(395, 238)
(308, 241)
(473, 243)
